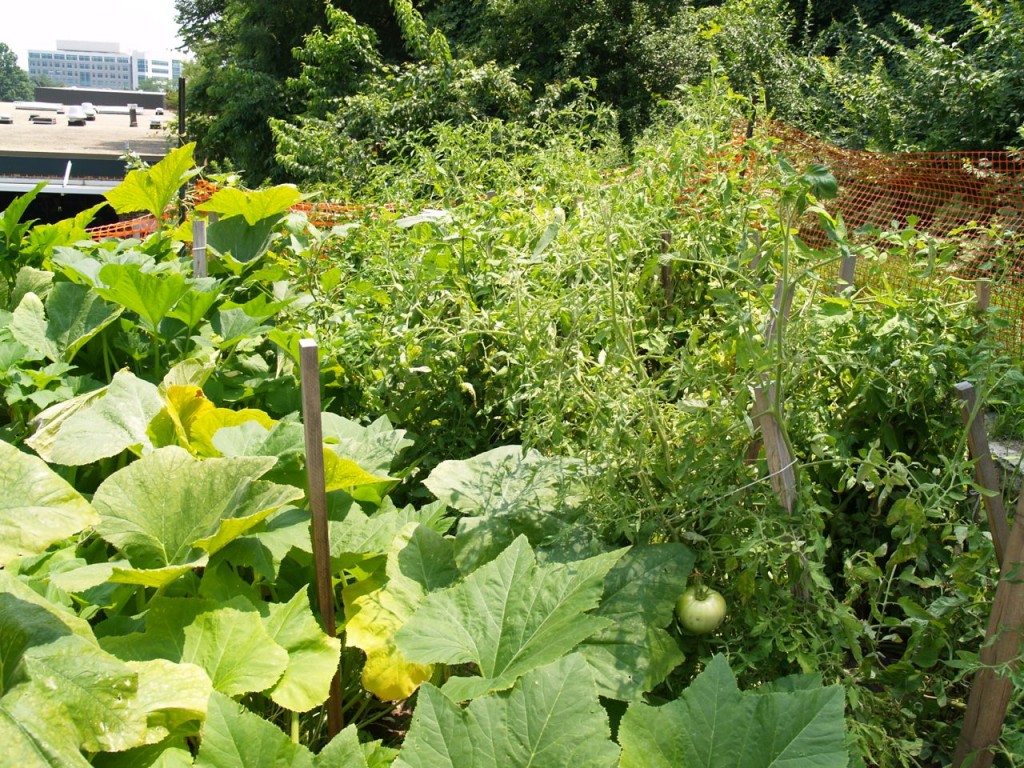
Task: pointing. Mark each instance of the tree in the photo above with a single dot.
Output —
(243, 56)
(154, 84)
(14, 82)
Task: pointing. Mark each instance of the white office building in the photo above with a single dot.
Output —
(81, 64)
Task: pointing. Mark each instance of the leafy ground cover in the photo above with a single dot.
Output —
(537, 365)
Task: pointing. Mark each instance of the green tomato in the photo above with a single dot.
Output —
(700, 610)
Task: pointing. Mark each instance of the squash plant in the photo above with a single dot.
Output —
(156, 560)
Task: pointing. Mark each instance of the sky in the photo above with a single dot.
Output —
(144, 25)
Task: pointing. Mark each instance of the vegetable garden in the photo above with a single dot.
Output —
(554, 394)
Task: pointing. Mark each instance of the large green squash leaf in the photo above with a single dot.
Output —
(373, 447)
(173, 753)
(151, 295)
(346, 751)
(420, 561)
(32, 745)
(152, 189)
(508, 617)
(170, 509)
(99, 424)
(355, 532)
(230, 643)
(507, 492)
(173, 697)
(34, 733)
(253, 206)
(73, 315)
(37, 506)
(635, 653)
(234, 737)
(551, 718)
(713, 724)
(312, 655)
(73, 678)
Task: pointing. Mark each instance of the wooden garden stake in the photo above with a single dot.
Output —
(847, 268)
(983, 292)
(781, 305)
(309, 365)
(199, 248)
(985, 472)
(992, 687)
(780, 463)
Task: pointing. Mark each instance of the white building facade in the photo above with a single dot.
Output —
(83, 64)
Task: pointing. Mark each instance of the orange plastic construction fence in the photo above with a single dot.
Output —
(970, 203)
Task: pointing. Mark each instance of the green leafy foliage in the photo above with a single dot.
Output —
(550, 717)
(39, 509)
(803, 724)
(151, 190)
(508, 617)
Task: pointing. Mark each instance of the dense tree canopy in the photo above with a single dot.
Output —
(14, 82)
(273, 78)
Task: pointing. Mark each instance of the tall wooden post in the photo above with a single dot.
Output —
(199, 267)
(985, 472)
(991, 689)
(309, 365)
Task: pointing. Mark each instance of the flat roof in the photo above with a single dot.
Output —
(106, 136)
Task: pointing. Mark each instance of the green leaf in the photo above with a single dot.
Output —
(100, 424)
(173, 697)
(229, 642)
(149, 294)
(236, 738)
(28, 325)
(551, 718)
(166, 507)
(634, 654)
(312, 656)
(92, 688)
(714, 723)
(373, 447)
(508, 617)
(173, 753)
(192, 307)
(74, 314)
(509, 493)
(153, 189)
(419, 562)
(253, 206)
(32, 744)
(38, 507)
(346, 751)
(30, 280)
(238, 242)
(235, 650)
(361, 534)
